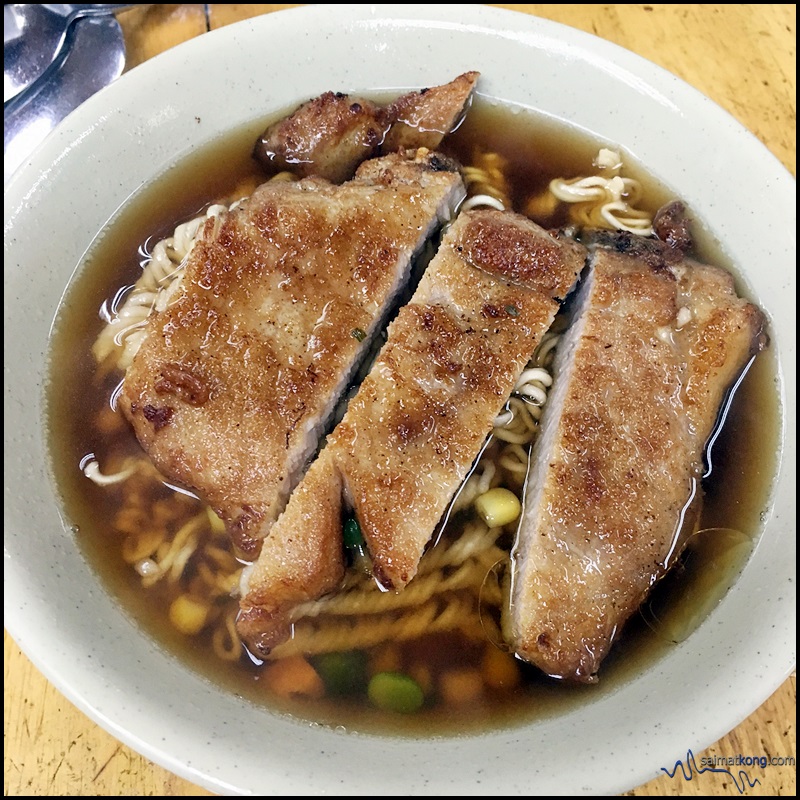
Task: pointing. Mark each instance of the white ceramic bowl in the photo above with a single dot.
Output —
(57, 609)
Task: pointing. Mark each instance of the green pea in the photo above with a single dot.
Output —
(393, 691)
(343, 672)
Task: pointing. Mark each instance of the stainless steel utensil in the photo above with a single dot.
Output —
(55, 57)
(32, 36)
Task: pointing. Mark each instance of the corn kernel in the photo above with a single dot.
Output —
(188, 615)
(541, 205)
(498, 506)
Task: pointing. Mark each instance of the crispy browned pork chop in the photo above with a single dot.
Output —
(330, 135)
(279, 301)
(640, 377)
(424, 118)
(420, 417)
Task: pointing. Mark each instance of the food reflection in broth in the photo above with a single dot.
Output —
(431, 658)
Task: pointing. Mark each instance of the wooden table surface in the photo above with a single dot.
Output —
(743, 58)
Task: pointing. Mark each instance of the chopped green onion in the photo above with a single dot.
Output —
(358, 334)
(512, 311)
(393, 691)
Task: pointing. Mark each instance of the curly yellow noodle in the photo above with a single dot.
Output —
(487, 175)
(603, 200)
(475, 538)
(142, 543)
(491, 594)
(122, 336)
(514, 459)
(219, 583)
(225, 639)
(172, 556)
(452, 613)
(222, 558)
(420, 590)
(522, 427)
(543, 356)
(442, 597)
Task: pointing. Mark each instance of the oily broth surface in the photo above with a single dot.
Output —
(537, 149)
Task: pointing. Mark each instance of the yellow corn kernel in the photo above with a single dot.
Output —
(188, 615)
(142, 544)
(541, 206)
(498, 506)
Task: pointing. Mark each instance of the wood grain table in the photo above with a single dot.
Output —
(743, 58)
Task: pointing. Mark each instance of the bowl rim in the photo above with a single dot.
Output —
(163, 133)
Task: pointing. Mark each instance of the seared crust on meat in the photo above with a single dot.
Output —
(640, 377)
(306, 558)
(424, 118)
(278, 302)
(330, 135)
(672, 227)
(422, 414)
(509, 248)
(723, 332)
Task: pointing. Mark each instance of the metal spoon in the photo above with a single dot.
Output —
(90, 55)
(32, 35)
(36, 35)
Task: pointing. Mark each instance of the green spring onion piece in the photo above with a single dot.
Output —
(351, 533)
(512, 311)
(342, 673)
(358, 334)
(393, 691)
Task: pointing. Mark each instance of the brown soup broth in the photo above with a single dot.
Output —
(534, 149)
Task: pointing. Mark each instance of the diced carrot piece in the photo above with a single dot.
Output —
(292, 676)
(461, 686)
(421, 673)
(500, 670)
(385, 659)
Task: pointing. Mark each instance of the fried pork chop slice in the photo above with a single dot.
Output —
(424, 118)
(420, 417)
(279, 302)
(330, 135)
(640, 377)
